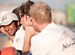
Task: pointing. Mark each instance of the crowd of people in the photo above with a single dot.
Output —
(32, 32)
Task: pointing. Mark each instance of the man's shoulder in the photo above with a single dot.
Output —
(20, 32)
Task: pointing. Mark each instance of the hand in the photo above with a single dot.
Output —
(30, 31)
(3, 31)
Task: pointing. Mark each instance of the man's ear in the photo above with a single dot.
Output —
(33, 21)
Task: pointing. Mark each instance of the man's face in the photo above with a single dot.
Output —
(10, 29)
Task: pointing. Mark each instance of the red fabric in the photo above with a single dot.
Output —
(8, 51)
(0, 52)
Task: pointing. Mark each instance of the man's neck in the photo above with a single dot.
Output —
(42, 26)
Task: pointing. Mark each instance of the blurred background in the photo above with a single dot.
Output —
(63, 12)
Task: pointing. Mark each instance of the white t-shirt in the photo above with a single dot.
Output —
(52, 40)
(19, 39)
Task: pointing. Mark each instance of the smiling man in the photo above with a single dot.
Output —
(11, 26)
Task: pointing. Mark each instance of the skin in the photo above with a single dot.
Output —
(9, 30)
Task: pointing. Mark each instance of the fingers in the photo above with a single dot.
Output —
(27, 18)
(25, 21)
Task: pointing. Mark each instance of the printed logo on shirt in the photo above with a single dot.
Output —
(67, 45)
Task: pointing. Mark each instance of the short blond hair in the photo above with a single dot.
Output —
(41, 12)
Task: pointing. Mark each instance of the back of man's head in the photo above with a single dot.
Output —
(41, 12)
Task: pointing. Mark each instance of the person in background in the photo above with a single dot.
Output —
(52, 39)
(59, 17)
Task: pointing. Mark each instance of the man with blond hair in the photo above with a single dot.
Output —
(52, 39)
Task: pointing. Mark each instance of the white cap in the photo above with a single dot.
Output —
(8, 18)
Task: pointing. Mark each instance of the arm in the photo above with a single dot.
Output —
(29, 32)
(27, 44)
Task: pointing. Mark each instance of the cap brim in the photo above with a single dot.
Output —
(6, 23)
